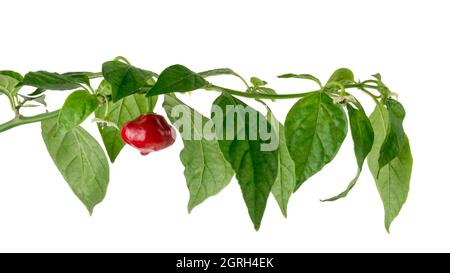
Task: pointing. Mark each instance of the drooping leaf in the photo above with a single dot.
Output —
(342, 75)
(315, 129)
(119, 113)
(37, 92)
(77, 107)
(124, 79)
(362, 134)
(301, 76)
(393, 142)
(51, 81)
(206, 170)
(392, 180)
(255, 164)
(284, 185)
(81, 161)
(177, 78)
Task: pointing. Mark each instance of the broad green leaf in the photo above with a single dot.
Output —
(362, 134)
(256, 168)
(257, 82)
(302, 76)
(393, 142)
(315, 129)
(12, 74)
(81, 161)
(392, 180)
(177, 78)
(124, 79)
(119, 113)
(77, 107)
(284, 185)
(342, 75)
(206, 170)
(8, 84)
(51, 81)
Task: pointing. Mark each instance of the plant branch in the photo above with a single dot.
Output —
(212, 87)
(25, 120)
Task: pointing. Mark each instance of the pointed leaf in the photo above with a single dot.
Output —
(206, 170)
(77, 107)
(392, 180)
(124, 79)
(393, 142)
(256, 168)
(362, 134)
(177, 78)
(302, 76)
(51, 81)
(81, 161)
(217, 72)
(315, 129)
(284, 185)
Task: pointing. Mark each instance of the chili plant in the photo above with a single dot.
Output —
(314, 129)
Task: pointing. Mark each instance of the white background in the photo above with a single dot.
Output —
(146, 205)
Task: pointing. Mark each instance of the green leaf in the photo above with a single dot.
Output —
(8, 84)
(13, 74)
(39, 99)
(206, 170)
(81, 161)
(392, 180)
(51, 81)
(393, 142)
(266, 90)
(217, 72)
(124, 79)
(315, 129)
(342, 75)
(362, 134)
(284, 185)
(256, 169)
(302, 76)
(80, 77)
(377, 76)
(37, 92)
(177, 78)
(120, 112)
(77, 107)
(257, 82)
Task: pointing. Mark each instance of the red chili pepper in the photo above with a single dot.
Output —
(148, 133)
